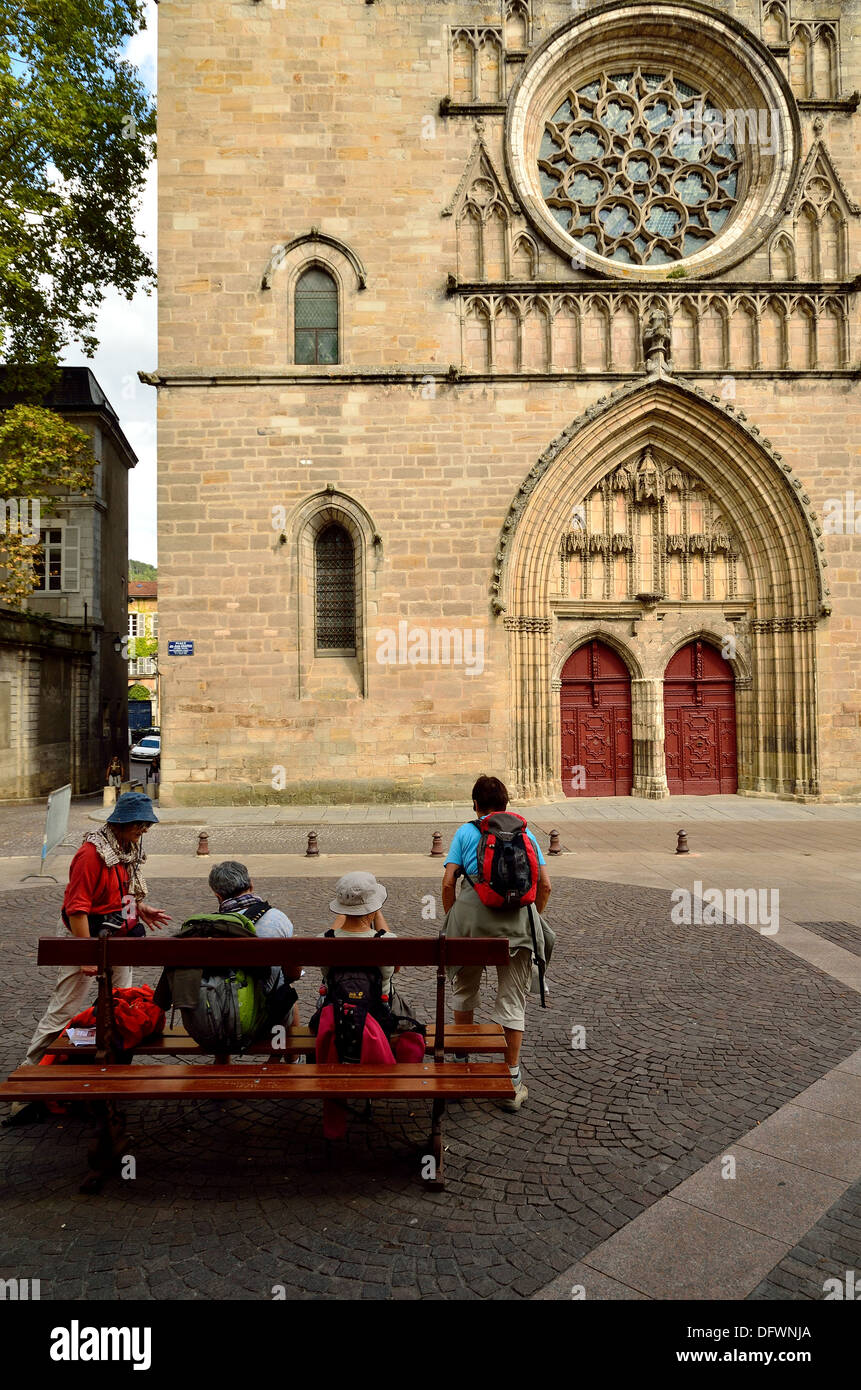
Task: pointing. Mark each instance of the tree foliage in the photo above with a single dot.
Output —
(140, 570)
(142, 646)
(76, 136)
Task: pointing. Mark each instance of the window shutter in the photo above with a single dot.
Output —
(71, 581)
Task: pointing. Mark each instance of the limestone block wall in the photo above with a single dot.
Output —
(436, 477)
(370, 140)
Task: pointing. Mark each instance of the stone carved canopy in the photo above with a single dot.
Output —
(670, 528)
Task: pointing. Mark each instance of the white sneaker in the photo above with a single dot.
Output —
(514, 1102)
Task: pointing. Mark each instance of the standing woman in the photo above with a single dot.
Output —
(106, 888)
(114, 775)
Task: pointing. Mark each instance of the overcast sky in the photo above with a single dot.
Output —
(127, 343)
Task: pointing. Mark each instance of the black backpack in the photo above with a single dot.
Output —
(354, 992)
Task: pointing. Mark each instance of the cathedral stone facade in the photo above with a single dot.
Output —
(508, 398)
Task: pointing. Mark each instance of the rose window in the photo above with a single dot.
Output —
(638, 168)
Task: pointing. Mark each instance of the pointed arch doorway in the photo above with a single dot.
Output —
(597, 748)
(699, 722)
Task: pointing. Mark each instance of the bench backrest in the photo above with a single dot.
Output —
(107, 952)
(170, 951)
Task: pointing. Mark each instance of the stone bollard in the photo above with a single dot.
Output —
(682, 844)
(313, 850)
(437, 850)
(555, 847)
(203, 842)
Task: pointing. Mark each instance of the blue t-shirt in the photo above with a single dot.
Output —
(464, 848)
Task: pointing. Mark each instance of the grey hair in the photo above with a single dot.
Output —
(229, 878)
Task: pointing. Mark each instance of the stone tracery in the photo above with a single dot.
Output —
(638, 167)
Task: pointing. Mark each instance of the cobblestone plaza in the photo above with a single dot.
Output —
(700, 1042)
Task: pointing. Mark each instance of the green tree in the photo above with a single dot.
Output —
(140, 692)
(76, 136)
(40, 454)
(139, 569)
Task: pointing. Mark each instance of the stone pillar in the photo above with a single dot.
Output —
(647, 728)
(763, 732)
(28, 722)
(531, 706)
(79, 737)
(745, 733)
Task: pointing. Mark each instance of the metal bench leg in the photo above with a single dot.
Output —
(106, 1150)
(436, 1184)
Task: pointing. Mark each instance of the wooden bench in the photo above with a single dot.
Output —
(109, 1078)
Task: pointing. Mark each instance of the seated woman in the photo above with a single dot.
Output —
(358, 904)
(359, 1017)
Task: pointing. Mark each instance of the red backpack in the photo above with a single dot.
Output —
(507, 862)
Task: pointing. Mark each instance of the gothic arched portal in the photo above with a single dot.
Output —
(656, 519)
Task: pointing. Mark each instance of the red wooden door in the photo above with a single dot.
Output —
(597, 752)
(699, 719)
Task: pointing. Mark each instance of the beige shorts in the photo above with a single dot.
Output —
(512, 986)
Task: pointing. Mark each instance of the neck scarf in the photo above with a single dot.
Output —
(112, 852)
(239, 901)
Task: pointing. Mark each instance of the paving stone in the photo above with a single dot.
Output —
(821, 1254)
(674, 1251)
(766, 1194)
(839, 933)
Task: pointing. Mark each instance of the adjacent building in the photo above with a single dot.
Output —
(508, 398)
(143, 638)
(63, 668)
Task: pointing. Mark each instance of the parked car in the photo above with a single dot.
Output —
(146, 750)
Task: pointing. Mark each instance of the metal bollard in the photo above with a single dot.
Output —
(437, 850)
(203, 842)
(682, 844)
(313, 850)
(555, 847)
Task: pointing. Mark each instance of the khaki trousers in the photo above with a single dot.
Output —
(70, 996)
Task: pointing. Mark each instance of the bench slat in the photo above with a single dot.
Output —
(475, 1037)
(407, 1082)
(169, 951)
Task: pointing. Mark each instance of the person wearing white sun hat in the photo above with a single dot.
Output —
(357, 904)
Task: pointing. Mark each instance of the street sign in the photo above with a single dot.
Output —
(180, 649)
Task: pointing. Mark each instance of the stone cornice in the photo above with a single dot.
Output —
(412, 376)
(670, 289)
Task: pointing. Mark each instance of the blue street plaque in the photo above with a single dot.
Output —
(180, 649)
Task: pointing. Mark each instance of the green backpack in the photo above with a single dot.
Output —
(231, 1009)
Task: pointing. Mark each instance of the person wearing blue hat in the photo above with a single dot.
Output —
(106, 888)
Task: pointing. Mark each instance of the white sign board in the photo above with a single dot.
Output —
(57, 820)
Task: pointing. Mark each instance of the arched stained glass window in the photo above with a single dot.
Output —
(335, 583)
(315, 315)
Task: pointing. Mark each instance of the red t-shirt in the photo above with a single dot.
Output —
(92, 886)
